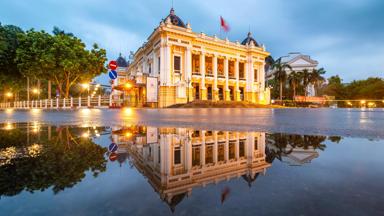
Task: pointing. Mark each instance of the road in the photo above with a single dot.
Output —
(344, 122)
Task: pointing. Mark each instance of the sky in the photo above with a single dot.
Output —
(346, 37)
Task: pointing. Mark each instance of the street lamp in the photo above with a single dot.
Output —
(9, 94)
(85, 86)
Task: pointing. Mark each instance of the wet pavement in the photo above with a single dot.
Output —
(344, 122)
(192, 162)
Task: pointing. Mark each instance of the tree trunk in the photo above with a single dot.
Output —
(294, 91)
(281, 91)
(67, 86)
(49, 89)
(28, 91)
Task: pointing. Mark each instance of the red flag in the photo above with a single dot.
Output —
(224, 24)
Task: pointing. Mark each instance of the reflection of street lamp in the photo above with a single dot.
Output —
(188, 82)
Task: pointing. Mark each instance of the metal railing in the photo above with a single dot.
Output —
(61, 103)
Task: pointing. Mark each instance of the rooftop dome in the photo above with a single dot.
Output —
(121, 62)
(175, 20)
(249, 40)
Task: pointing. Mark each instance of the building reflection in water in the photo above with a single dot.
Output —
(176, 160)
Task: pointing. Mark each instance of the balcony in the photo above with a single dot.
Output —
(196, 73)
(209, 74)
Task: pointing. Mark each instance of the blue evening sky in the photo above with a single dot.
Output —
(345, 36)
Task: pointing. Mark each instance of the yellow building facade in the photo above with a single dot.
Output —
(186, 66)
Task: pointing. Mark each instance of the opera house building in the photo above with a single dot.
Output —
(177, 65)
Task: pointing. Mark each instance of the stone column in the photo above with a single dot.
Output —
(188, 72)
(215, 145)
(237, 89)
(188, 64)
(226, 148)
(237, 148)
(188, 153)
(250, 79)
(226, 87)
(155, 64)
(202, 71)
(202, 147)
(215, 95)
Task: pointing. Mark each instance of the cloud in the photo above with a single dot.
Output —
(344, 36)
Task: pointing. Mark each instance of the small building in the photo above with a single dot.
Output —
(298, 62)
(177, 65)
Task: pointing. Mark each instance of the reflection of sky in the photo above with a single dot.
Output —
(346, 177)
(345, 37)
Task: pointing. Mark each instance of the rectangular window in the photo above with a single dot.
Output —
(241, 148)
(150, 68)
(195, 64)
(256, 143)
(220, 151)
(241, 71)
(209, 153)
(220, 68)
(208, 66)
(176, 64)
(231, 149)
(177, 155)
(158, 65)
(196, 156)
(231, 69)
(255, 75)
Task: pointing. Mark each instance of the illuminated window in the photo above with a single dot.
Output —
(241, 71)
(195, 155)
(231, 69)
(176, 64)
(208, 66)
(196, 64)
(177, 155)
(241, 148)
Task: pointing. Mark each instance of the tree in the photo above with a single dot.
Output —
(281, 74)
(34, 56)
(10, 76)
(306, 76)
(61, 58)
(74, 63)
(294, 79)
(316, 78)
(334, 88)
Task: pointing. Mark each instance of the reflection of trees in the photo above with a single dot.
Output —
(280, 144)
(59, 160)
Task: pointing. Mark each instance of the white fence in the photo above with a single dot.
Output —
(63, 103)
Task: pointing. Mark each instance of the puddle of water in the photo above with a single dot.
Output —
(145, 170)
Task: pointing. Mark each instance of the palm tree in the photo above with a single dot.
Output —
(280, 73)
(316, 77)
(294, 78)
(305, 75)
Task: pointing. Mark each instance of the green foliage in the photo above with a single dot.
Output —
(371, 88)
(10, 77)
(281, 74)
(42, 163)
(59, 57)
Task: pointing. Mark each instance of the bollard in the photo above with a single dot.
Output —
(79, 102)
(57, 103)
(99, 101)
(71, 102)
(64, 103)
(89, 101)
